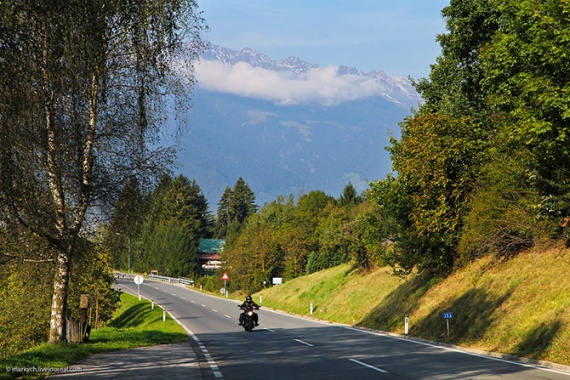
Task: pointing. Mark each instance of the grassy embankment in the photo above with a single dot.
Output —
(519, 307)
(135, 324)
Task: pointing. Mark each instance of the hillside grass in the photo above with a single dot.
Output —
(135, 324)
(519, 307)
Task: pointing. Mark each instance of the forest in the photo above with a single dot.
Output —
(480, 168)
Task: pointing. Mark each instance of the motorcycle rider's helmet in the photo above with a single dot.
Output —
(248, 298)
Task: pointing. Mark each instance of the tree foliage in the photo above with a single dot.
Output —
(82, 84)
(287, 240)
(235, 205)
(527, 75)
(502, 218)
(436, 159)
(177, 219)
(483, 164)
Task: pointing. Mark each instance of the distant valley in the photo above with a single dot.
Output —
(315, 140)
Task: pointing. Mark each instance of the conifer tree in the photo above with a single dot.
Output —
(178, 218)
(349, 196)
(223, 214)
(242, 202)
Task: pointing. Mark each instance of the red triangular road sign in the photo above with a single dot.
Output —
(225, 276)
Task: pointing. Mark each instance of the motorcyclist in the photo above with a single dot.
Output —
(248, 303)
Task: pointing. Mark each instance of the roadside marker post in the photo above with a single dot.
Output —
(225, 277)
(447, 316)
(406, 323)
(139, 280)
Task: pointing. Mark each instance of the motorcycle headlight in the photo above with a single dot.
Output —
(250, 313)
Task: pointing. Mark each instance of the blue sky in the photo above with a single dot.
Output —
(395, 36)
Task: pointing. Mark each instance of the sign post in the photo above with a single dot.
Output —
(139, 280)
(447, 317)
(225, 277)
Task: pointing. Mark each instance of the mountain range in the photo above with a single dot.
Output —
(288, 127)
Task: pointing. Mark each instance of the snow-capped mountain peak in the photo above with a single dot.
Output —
(331, 84)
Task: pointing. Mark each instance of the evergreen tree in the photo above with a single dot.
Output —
(242, 202)
(223, 214)
(126, 226)
(234, 207)
(178, 218)
(349, 196)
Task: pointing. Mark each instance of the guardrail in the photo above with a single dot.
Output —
(175, 280)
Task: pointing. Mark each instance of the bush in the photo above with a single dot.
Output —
(502, 217)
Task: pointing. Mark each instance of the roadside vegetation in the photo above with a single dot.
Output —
(519, 307)
(481, 184)
(135, 324)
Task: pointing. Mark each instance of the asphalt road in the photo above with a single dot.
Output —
(289, 347)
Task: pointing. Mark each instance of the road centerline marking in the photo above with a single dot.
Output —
(305, 343)
(368, 366)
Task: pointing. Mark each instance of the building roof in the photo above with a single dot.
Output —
(211, 245)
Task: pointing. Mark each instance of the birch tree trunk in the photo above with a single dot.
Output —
(57, 332)
(68, 233)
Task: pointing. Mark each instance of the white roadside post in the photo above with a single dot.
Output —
(139, 280)
(406, 323)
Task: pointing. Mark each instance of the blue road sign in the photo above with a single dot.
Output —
(447, 315)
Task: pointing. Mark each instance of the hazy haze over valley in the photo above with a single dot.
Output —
(289, 127)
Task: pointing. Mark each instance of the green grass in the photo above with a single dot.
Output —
(135, 324)
(519, 307)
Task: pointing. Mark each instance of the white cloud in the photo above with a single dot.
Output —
(320, 85)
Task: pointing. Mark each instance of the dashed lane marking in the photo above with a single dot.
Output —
(368, 366)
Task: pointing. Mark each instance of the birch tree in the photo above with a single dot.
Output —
(83, 86)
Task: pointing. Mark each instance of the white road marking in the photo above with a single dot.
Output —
(305, 343)
(213, 366)
(368, 366)
(458, 350)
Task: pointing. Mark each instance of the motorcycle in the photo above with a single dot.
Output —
(248, 321)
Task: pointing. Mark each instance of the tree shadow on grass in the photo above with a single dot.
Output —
(472, 315)
(538, 341)
(472, 312)
(132, 317)
(389, 314)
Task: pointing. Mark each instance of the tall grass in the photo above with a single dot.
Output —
(519, 307)
(135, 324)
